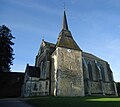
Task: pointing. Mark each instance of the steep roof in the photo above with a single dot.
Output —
(65, 25)
(44, 45)
(65, 38)
(89, 55)
(33, 71)
(48, 44)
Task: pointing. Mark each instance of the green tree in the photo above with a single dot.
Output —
(6, 50)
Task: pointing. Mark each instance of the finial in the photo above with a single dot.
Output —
(42, 38)
(64, 6)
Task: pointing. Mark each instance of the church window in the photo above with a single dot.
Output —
(102, 73)
(42, 69)
(110, 75)
(85, 69)
(98, 71)
(90, 70)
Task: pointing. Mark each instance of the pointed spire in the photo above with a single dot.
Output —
(65, 25)
(65, 38)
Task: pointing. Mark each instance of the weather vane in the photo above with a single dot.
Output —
(64, 5)
(42, 38)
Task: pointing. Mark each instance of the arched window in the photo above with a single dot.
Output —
(85, 69)
(102, 72)
(110, 74)
(90, 71)
(41, 69)
(98, 71)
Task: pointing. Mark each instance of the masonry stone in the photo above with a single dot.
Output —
(68, 72)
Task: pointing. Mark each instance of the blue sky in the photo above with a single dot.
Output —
(95, 26)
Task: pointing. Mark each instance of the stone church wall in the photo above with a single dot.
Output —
(31, 87)
(96, 88)
(109, 88)
(53, 73)
(68, 73)
(101, 79)
(43, 87)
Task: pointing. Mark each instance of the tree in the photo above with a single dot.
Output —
(6, 50)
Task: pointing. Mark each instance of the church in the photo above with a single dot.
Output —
(63, 69)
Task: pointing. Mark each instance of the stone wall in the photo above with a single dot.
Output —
(67, 73)
(36, 87)
(109, 88)
(53, 73)
(102, 78)
(96, 88)
(44, 87)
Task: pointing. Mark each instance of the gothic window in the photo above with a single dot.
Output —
(98, 71)
(44, 67)
(41, 69)
(85, 69)
(90, 71)
(102, 73)
(110, 75)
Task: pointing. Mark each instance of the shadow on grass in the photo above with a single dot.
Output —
(75, 101)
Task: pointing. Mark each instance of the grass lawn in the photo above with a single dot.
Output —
(74, 101)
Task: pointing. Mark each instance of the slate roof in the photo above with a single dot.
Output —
(33, 71)
(89, 55)
(48, 44)
(64, 25)
(65, 38)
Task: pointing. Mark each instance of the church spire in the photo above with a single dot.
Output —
(64, 25)
(65, 38)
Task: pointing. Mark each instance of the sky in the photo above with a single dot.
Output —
(94, 24)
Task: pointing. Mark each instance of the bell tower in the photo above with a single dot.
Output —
(67, 72)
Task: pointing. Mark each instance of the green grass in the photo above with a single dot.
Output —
(75, 101)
